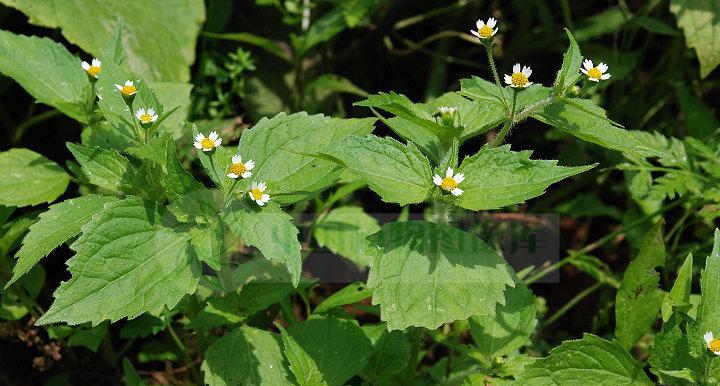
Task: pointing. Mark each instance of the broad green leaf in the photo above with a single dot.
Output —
(105, 167)
(125, 250)
(390, 353)
(670, 354)
(700, 21)
(270, 230)
(352, 293)
(425, 274)
(208, 242)
(679, 295)
(569, 72)
(398, 173)
(338, 347)
(246, 356)
(162, 35)
(47, 71)
(29, 178)
(639, 298)
(344, 230)
(708, 315)
(510, 327)
(590, 361)
(498, 177)
(283, 149)
(57, 225)
(303, 366)
(175, 179)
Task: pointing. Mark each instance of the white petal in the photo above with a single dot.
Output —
(602, 67)
(213, 135)
(588, 64)
(218, 142)
(204, 149)
(716, 352)
(140, 112)
(593, 79)
(153, 118)
(508, 79)
(246, 174)
(96, 62)
(119, 87)
(491, 22)
(584, 71)
(232, 175)
(262, 186)
(479, 23)
(236, 159)
(528, 84)
(495, 31)
(199, 137)
(197, 145)
(85, 65)
(459, 178)
(708, 337)
(253, 186)
(605, 76)
(449, 172)
(437, 180)
(457, 192)
(250, 164)
(516, 68)
(129, 83)
(151, 111)
(527, 71)
(251, 196)
(472, 31)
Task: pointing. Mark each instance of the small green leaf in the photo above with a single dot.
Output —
(679, 296)
(30, 178)
(57, 225)
(125, 250)
(569, 72)
(344, 230)
(303, 366)
(132, 378)
(208, 242)
(47, 71)
(338, 347)
(708, 315)
(352, 293)
(700, 21)
(105, 167)
(89, 338)
(246, 356)
(670, 354)
(498, 177)
(590, 361)
(425, 274)
(398, 173)
(639, 298)
(270, 230)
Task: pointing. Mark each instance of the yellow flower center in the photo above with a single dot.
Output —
(485, 31)
(238, 169)
(519, 79)
(128, 90)
(449, 183)
(93, 71)
(207, 143)
(145, 118)
(256, 193)
(594, 73)
(714, 345)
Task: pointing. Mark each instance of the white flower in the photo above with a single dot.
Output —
(93, 68)
(145, 117)
(207, 143)
(127, 89)
(519, 79)
(450, 182)
(485, 30)
(257, 193)
(447, 110)
(593, 73)
(240, 169)
(712, 343)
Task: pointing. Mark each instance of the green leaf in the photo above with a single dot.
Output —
(245, 356)
(47, 71)
(590, 361)
(700, 21)
(29, 178)
(639, 297)
(104, 167)
(398, 173)
(208, 242)
(679, 295)
(303, 366)
(425, 274)
(670, 353)
(125, 250)
(510, 327)
(708, 315)
(344, 230)
(338, 347)
(57, 225)
(283, 149)
(163, 37)
(270, 230)
(390, 353)
(352, 293)
(89, 338)
(174, 178)
(569, 72)
(132, 378)
(498, 177)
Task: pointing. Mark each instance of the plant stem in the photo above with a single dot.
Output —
(570, 304)
(186, 355)
(528, 111)
(42, 117)
(498, 140)
(415, 340)
(491, 62)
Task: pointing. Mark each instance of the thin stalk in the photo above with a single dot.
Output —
(570, 304)
(528, 111)
(491, 62)
(186, 356)
(42, 117)
(416, 341)
(498, 140)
